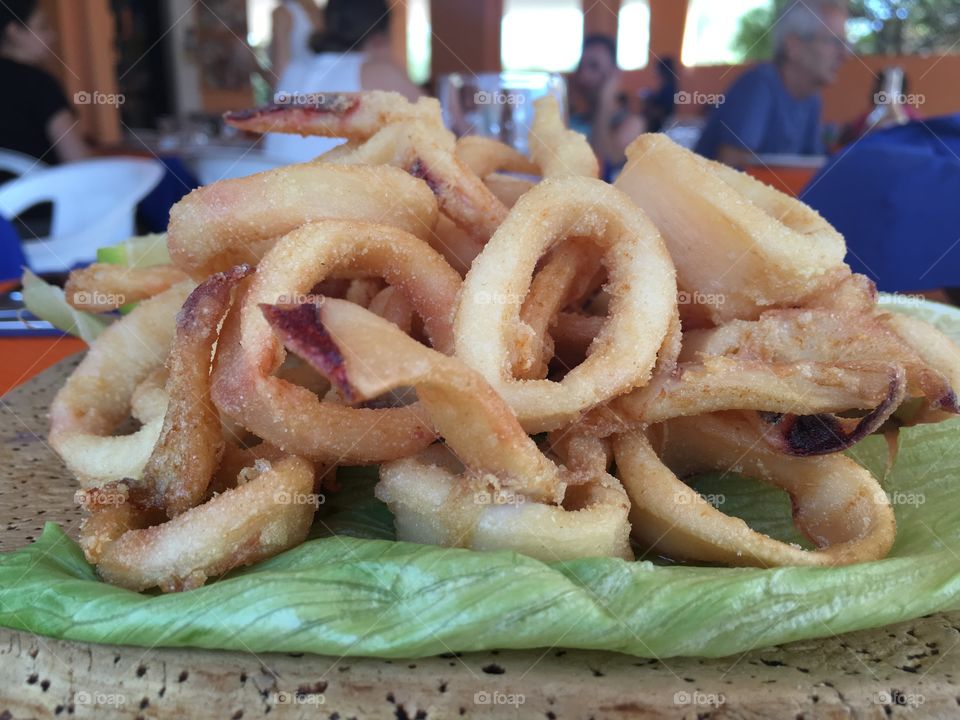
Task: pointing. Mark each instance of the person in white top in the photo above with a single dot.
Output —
(349, 52)
(294, 22)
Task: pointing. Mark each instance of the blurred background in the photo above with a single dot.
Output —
(181, 60)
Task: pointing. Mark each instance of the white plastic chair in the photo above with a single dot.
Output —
(17, 164)
(222, 163)
(94, 204)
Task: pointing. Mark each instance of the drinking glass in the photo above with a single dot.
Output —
(497, 105)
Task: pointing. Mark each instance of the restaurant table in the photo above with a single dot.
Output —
(23, 357)
(790, 180)
(910, 669)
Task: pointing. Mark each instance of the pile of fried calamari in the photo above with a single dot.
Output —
(533, 366)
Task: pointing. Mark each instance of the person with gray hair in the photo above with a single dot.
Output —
(775, 107)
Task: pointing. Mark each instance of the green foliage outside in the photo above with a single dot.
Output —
(877, 27)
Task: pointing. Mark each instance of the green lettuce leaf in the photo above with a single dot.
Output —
(48, 303)
(350, 591)
(140, 251)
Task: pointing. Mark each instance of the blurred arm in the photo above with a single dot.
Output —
(65, 137)
(280, 40)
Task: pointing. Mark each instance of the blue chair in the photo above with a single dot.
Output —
(94, 202)
(12, 259)
(895, 196)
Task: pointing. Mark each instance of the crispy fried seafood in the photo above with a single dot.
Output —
(418, 302)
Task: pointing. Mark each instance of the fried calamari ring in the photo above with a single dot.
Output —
(732, 238)
(365, 358)
(556, 150)
(356, 116)
(238, 220)
(428, 153)
(390, 304)
(494, 491)
(573, 334)
(559, 283)
(936, 350)
(256, 520)
(507, 188)
(101, 288)
(825, 336)
(191, 443)
(458, 247)
(362, 291)
(560, 153)
(433, 504)
(854, 294)
(291, 417)
(837, 504)
(149, 399)
(796, 399)
(96, 397)
(624, 352)
(485, 156)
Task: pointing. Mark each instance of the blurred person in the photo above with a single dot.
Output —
(659, 104)
(39, 120)
(294, 23)
(885, 111)
(351, 52)
(775, 107)
(596, 110)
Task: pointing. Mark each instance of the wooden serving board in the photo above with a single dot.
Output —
(906, 670)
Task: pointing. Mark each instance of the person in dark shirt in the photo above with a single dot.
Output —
(659, 104)
(775, 107)
(38, 120)
(595, 110)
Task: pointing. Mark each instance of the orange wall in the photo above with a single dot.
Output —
(466, 36)
(86, 61)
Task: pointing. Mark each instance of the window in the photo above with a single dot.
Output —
(875, 27)
(541, 35)
(259, 22)
(712, 35)
(419, 33)
(904, 27)
(633, 34)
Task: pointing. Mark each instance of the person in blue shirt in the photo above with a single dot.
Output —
(775, 107)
